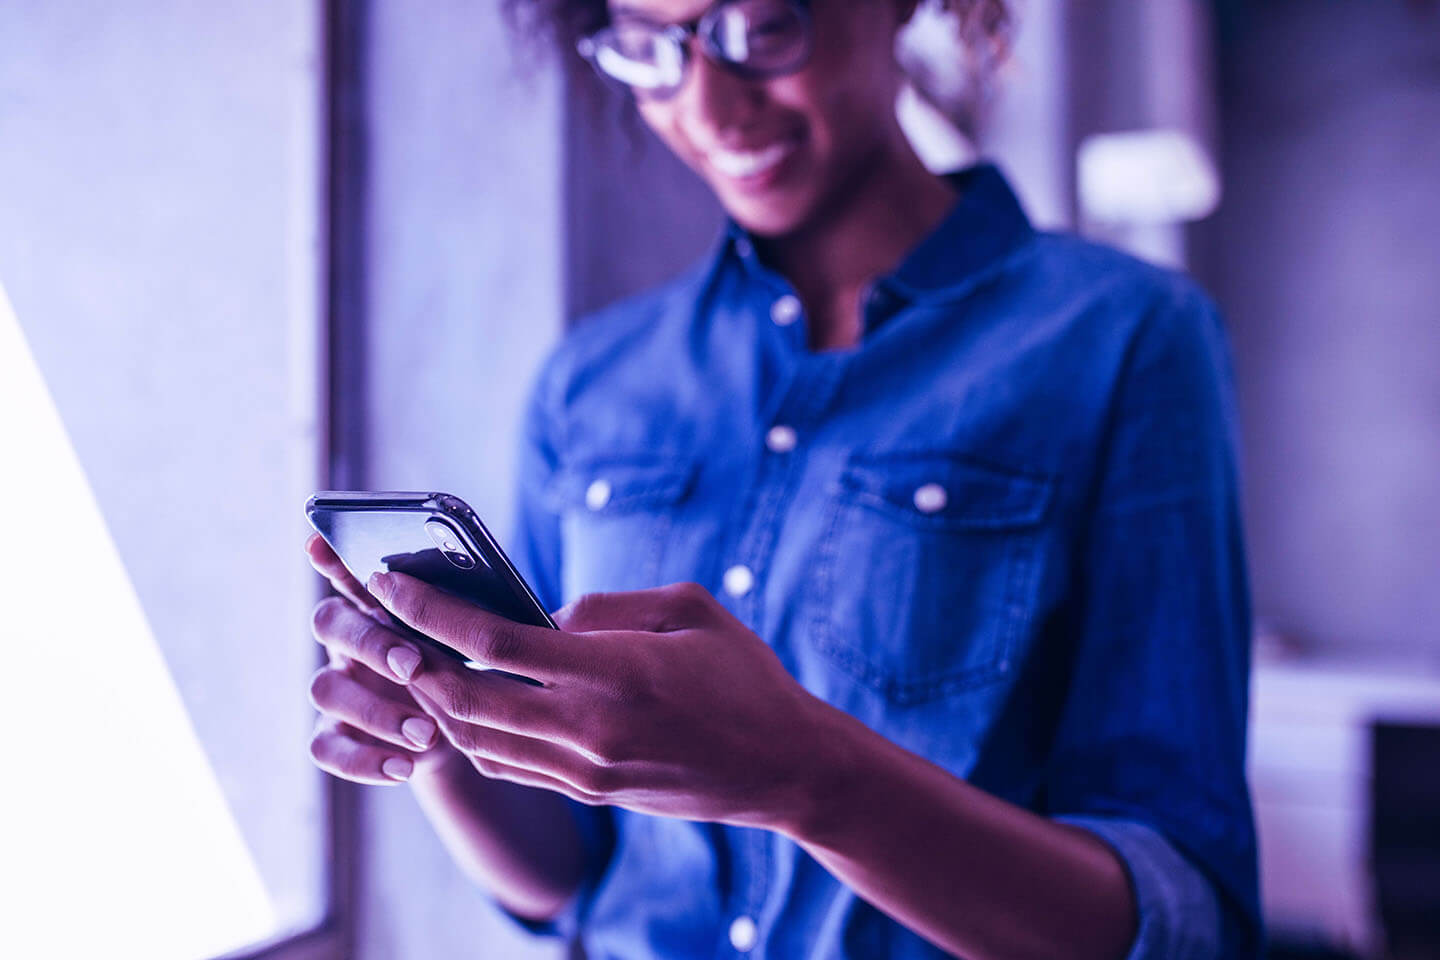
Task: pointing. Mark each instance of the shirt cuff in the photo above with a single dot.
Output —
(1177, 911)
(597, 838)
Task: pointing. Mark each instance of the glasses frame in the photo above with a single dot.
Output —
(701, 29)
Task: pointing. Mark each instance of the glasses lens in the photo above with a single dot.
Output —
(639, 55)
(763, 36)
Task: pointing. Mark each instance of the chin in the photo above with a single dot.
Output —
(767, 224)
(776, 217)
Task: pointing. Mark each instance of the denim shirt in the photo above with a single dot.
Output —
(1003, 531)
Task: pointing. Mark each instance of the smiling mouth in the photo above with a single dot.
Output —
(747, 164)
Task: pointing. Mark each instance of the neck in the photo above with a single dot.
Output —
(866, 230)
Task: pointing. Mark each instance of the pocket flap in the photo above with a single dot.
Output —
(619, 483)
(947, 490)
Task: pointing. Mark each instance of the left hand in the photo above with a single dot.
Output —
(656, 700)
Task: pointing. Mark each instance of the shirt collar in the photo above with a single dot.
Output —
(986, 225)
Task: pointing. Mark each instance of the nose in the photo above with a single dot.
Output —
(715, 100)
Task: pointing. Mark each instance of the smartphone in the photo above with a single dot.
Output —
(433, 537)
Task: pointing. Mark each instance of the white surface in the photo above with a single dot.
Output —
(466, 294)
(1147, 177)
(1310, 777)
(940, 146)
(159, 205)
(116, 836)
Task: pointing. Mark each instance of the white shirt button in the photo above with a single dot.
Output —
(743, 247)
(739, 580)
(744, 934)
(597, 495)
(781, 439)
(786, 310)
(931, 498)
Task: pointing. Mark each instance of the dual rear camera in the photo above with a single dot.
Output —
(451, 544)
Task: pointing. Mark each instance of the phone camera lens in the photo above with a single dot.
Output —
(461, 560)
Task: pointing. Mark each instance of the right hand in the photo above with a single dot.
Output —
(370, 730)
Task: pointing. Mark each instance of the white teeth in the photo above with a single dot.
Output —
(734, 164)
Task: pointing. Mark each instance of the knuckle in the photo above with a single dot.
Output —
(682, 605)
(607, 751)
(583, 611)
(501, 641)
(371, 638)
(692, 598)
(465, 737)
(690, 590)
(599, 780)
(373, 715)
(418, 607)
(456, 699)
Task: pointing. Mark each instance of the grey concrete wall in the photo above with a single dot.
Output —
(1325, 257)
(465, 294)
(1030, 129)
(634, 214)
(1134, 67)
(158, 238)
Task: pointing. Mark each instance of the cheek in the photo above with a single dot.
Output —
(853, 78)
(829, 113)
(660, 117)
(846, 97)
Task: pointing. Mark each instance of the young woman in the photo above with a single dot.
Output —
(954, 651)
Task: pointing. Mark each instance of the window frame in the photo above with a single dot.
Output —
(341, 457)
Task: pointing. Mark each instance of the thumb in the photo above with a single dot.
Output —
(678, 606)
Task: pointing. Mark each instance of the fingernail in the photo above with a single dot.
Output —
(379, 585)
(403, 661)
(418, 731)
(397, 768)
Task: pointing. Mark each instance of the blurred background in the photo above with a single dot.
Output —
(248, 250)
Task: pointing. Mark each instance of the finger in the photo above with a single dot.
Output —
(493, 701)
(340, 751)
(551, 760)
(678, 606)
(519, 759)
(496, 770)
(328, 564)
(343, 698)
(345, 630)
(484, 637)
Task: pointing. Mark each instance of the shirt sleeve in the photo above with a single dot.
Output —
(536, 553)
(1150, 750)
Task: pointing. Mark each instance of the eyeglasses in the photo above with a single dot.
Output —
(751, 38)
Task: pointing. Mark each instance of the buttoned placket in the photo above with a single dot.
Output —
(797, 406)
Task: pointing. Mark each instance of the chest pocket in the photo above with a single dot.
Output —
(615, 514)
(927, 572)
